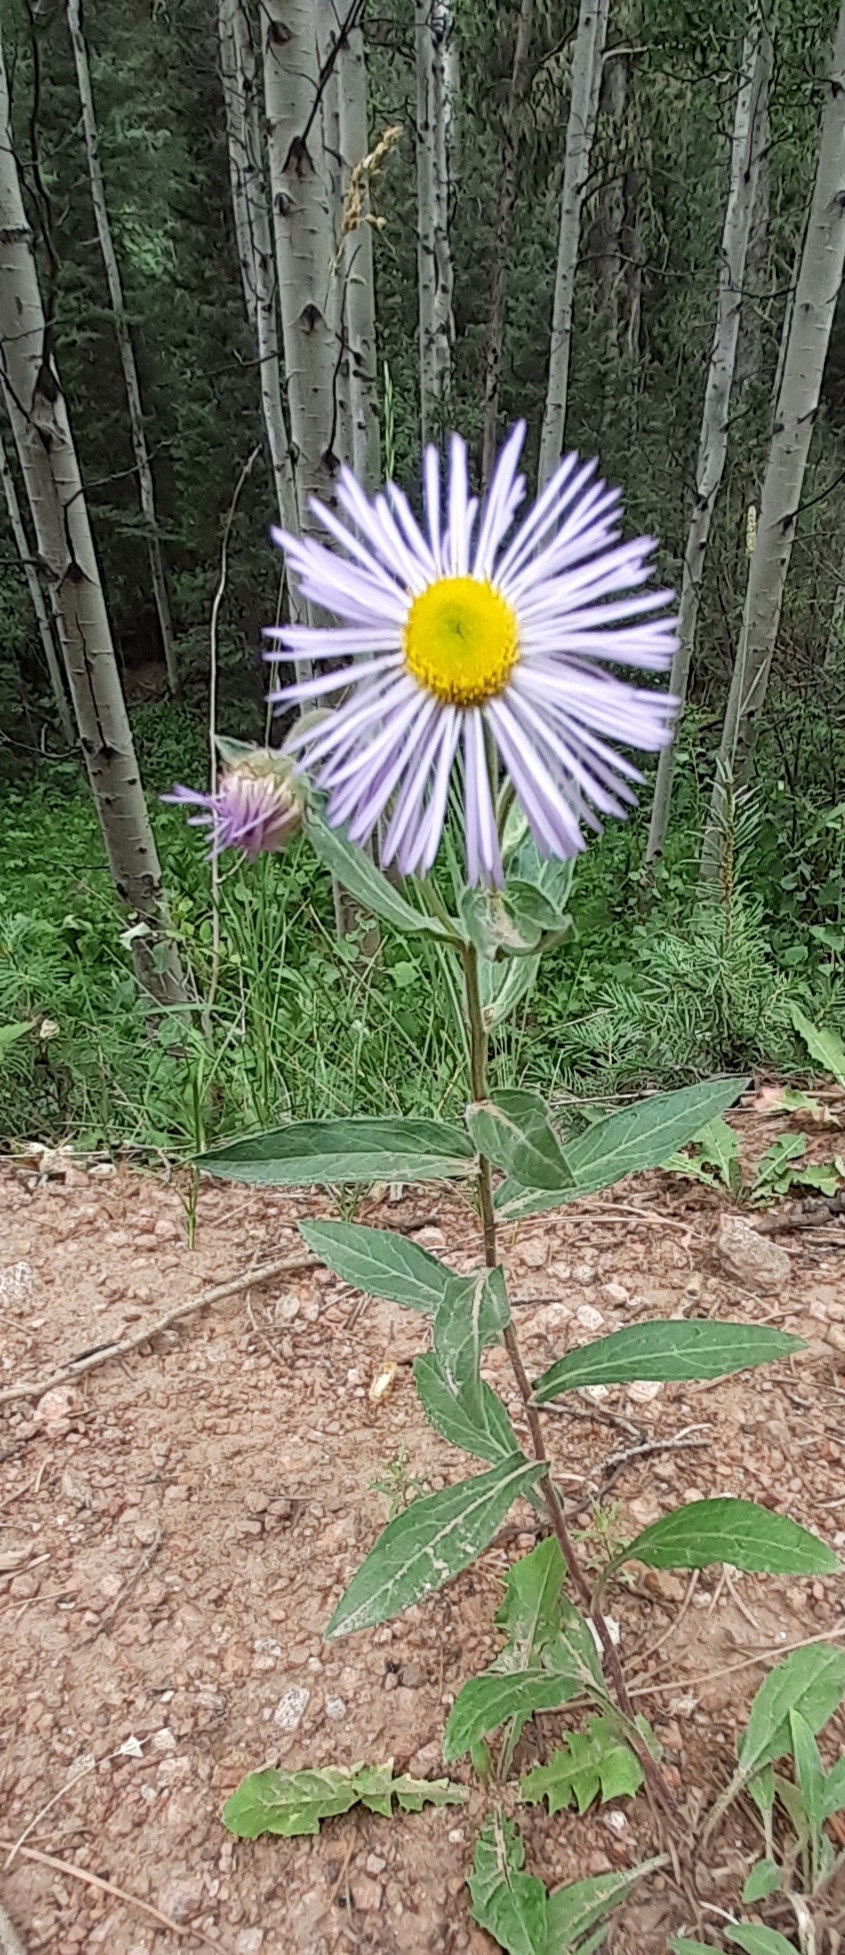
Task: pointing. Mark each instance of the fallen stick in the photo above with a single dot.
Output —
(108, 1887)
(76, 1367)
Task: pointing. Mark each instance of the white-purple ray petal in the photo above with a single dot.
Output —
(431, 498)
(503, 498)
(435, 814)
(552, 819)
(403, 827)
(482, 841)
(316, 642)
(408, 523)
(336, 681)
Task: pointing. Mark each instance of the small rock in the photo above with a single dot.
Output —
(335, 1709)
(430, 1238)
(102, 1171)
(533, 1252)
(290, 1708)
(249, 1941)
(836, 1338)
(588, 1318)
(643, 1390)
(551, 1320)
(56, 1406)
(582, 1274)
(181, 1897)
(366, 1893)
(614, 1294)
(286, 1310)
(163, 1740)
(750, 1258)
(598, 1863)
(16, 1282)
(375, 1864)
(412, 1675)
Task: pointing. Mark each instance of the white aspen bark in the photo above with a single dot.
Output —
(749, 132)
(33, 583)
(38, 415)
(816, 293)
(432, 26)
(254, 237)
(146, 490)
(358, 270)
(586, 83)
(329, 55)
(501, 237)
(305, 244)
(756, 281)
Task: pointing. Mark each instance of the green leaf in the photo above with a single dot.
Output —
(822, 1044)
(834, 1790)
(761, 1788)
(808, 1769)
(592, 1762)
(435, 1538)
(510, 1904)
(464, 1324)
(322, 1153)
(549, 1657)
(503, 986)
(765, 1878)
(293, 1803)
(382, 1264)
(354, 869)
(715, 1147)
(474, 1420)
(641, 1136)
(760, 1941)
(680, 1946)
(736, 1531)
(811, 1681)
(10, 1033)
(575, 1909)
(665, 1350)
(512, 1128)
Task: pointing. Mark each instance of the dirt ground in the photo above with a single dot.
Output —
(177, 1525)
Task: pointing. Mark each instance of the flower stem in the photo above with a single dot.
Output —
(551, 1497)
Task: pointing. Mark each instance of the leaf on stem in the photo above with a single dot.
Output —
(676, 1349)
(590, 1764)
(736, 1531)
(293, 1803)
(383, 1264)
(326, 1153)
(509, 1903)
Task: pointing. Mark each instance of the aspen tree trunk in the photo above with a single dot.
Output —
(358, 271)
(433, 26)
(756, 281)
(586, 83)
(805, 352)
(749, 130)
(501, 236)
(42, 616)
(254, 236)
(146, 489)
(329, 54)
(38, 415)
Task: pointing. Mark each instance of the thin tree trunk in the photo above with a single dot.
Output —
(501, 236)
(756, 281)
(816, 293)
(586, 83)
(433, 25)
(146, 489)
(254, 236)
(749, 131)
(358, 272)
(42, 616)
(38, 414)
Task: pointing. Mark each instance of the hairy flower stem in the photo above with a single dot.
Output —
(554, 1507)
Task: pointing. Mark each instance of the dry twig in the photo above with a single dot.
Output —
(108, 1887)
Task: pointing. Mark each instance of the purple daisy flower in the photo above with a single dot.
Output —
(454, 636)
(253, 809)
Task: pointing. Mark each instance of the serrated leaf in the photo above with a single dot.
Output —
(509, 1903)
(324, 1153)
(294, 1803)
(589, 1763)
(834, 1790)
(811, 1681)
(575, 1909)
(382, 1264)
(474, 1420)
(432, 1541)
(549, 1657)
(513, 1129)
(760, 1941)
(808, 1769)
(822, 1044)
(676, 1349)
(359, 875)
(766, 1878)
(736, 1531)
(641, 1136)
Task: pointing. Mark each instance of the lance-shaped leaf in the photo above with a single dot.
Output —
(322, 1153)
(432, 1541)
(383, 1264)
(574, 1910)
(760, 1941)
(465, 1323)
(509, 1903)
(665, 1350)
(810, 1681)
(764, 1879)
(549, 1657)
(808, 1768)
(736, 1531)
(592, 1763)
(823, 1044)
(293, 1803)
(512, 1128)
(834, 1790)
(359, 875)
(471, 1418)
(487, 1701)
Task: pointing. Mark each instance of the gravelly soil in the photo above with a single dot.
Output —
(176, 1527)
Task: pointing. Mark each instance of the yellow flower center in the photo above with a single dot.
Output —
(460, 641)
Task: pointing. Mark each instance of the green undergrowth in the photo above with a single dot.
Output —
(299, 1026)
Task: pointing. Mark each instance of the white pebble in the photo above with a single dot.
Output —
(290, 1708)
